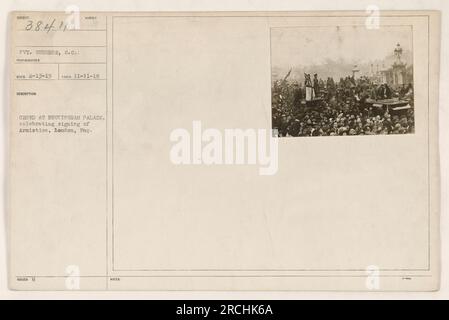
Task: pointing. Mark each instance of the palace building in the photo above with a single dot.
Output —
(399, 73)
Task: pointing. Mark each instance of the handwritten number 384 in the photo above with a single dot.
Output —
(39, 26)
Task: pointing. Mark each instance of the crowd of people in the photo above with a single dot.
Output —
(338, 108)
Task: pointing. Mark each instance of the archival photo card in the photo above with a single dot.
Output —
(161, 151)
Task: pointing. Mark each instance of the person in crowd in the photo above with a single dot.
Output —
(342, 111)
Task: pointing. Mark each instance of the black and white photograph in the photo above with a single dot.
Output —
(342, 80)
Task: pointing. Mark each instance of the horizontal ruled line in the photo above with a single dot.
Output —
(72, 30)
(59, 62)
(54, 46)
(59, 79)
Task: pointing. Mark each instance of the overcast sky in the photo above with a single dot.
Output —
(293, 46)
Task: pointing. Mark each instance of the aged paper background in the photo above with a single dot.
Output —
(256, 177)
(315, 225)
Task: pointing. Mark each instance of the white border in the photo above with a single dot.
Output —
(232, 5)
